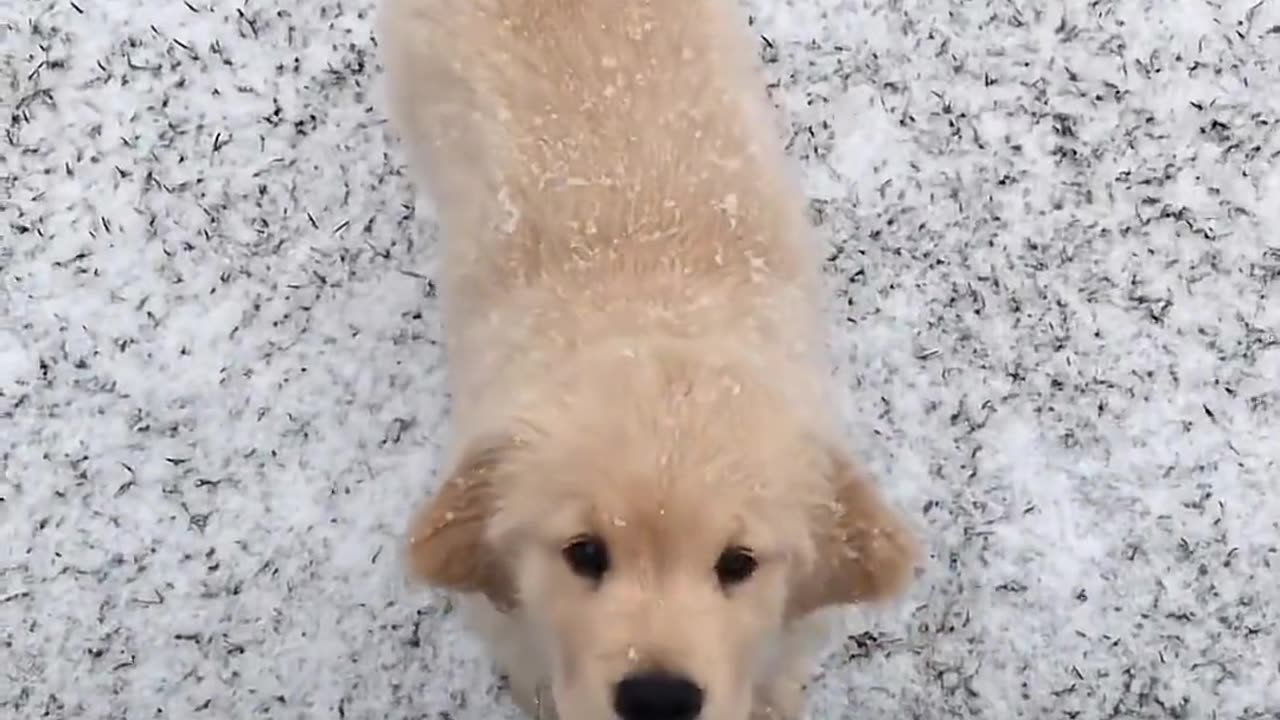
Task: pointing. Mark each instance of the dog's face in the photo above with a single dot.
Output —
(659, 532)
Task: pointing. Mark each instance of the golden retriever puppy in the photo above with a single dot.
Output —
(647, 497)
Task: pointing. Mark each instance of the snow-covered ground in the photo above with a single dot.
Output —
(1055, 244)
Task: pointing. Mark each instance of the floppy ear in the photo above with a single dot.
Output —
(448, 544)
(864, 549)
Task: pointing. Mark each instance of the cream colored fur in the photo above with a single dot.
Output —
(634, 336)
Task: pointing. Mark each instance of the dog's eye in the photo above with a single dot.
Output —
(735, 565)
(587, 556)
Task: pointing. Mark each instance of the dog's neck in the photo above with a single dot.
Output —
(516, 350)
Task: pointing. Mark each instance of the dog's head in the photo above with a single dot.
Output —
(659, 522)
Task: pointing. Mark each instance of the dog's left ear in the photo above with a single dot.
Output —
(448, 543)
(865, 551)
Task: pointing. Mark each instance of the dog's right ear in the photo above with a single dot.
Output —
(448, 543)
(866, 550)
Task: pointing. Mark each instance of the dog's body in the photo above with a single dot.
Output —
(633, 323)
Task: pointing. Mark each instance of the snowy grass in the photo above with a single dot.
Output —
(1054, 259)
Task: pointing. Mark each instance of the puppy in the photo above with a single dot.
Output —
(647, 498)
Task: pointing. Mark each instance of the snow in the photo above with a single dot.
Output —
(1054, 261)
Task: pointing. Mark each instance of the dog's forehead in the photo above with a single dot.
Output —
(683, 515)
(724, 465)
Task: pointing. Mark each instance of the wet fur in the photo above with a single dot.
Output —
(635, 342)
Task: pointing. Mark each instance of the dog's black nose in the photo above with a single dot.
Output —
(657, 696)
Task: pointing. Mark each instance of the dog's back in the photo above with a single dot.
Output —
(567, 139)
